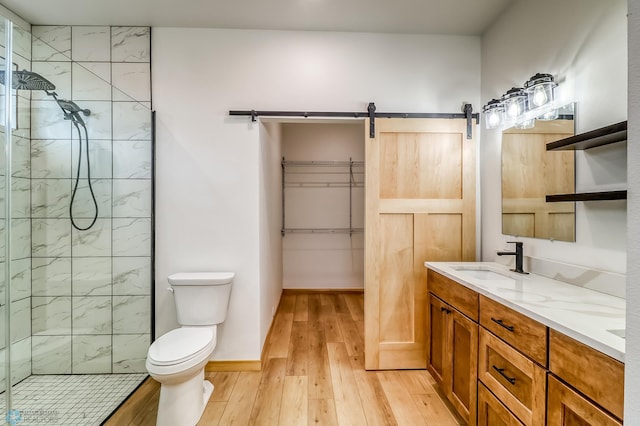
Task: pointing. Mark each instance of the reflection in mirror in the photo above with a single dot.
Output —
(530, 172)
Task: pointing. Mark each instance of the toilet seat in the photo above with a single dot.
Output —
(181, 345)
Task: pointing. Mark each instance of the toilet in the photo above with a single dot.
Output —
(177, 359)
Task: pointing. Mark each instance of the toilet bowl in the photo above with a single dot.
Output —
(177, 359)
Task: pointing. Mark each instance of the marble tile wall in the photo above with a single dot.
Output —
(90, 302)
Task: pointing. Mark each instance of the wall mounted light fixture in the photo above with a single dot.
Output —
(518, 106)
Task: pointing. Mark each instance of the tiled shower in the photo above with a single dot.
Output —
(80, 300)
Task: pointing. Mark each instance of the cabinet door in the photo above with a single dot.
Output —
(463, 347)
(565, 407)
(491, 412)
(436, 349)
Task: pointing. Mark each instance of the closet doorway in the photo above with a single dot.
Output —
(323, 205)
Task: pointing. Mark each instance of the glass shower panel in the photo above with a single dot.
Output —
(5, 139)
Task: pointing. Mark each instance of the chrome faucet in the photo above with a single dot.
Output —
(517, 254)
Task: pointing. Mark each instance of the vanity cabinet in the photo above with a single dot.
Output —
(492, 412)
(517, 381)
(452, 352)
(500, 367)
(592, 373)
(566, 407)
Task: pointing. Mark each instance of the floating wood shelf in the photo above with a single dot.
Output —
(599, 137)
(588, 196)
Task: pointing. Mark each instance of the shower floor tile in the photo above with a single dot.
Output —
(82, 399)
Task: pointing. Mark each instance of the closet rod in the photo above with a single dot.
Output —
(466, 108)
(324, 163)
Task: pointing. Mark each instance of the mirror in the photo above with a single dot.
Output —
(530, 172)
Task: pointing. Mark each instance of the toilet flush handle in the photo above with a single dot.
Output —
(170, 289)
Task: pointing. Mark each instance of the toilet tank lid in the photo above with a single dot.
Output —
(201, 278)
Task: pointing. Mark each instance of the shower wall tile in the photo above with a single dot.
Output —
(131, 276)
(50, 198)
(99, 122)
(131, 198)
(20, 161)
(130, 353)
(51, 316)
(131, 314)
(100, 157)
(20, 239)
(22, 42)
(124, 245)
(47, 121)
(51, 237)
(131, 121)
(51, 354)
(20, 360)
(91, 354)
(83, 206)
(90, 302)
(51, 43)
(132, 159)
(51, 276)
(131, 81)
(23, 124)
(91, 276)
(50, 159)
(130, 44)
(91, 315)
(91, 81)
(20, 278)
(91, 44)
(20, 313)
(20, 197)
(58, 73)
(92, 242)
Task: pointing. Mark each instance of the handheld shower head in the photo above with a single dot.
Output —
(70, 107)
(27, 80)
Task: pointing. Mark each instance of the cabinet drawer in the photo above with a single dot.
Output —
(520, 331)
(567, 407)
(491, 412)
(460, 297)
(591, 372)
(513, 378)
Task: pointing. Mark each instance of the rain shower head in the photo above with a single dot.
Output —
(27, 80)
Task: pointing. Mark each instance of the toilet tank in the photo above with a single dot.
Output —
(201, 298)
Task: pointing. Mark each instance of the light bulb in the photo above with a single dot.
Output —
(493, 119)
(540, 96)
(513, 110)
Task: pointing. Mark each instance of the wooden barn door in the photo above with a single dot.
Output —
(420, 206)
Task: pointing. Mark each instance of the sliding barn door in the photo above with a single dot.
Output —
(420, 206)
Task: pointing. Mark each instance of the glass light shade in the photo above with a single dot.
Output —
(550, 115)
(515, 103)
(493, 112)
(540, 90)
(525, 124)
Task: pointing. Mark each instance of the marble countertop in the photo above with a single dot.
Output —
(583, 314)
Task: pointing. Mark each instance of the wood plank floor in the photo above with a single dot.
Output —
(313, 375)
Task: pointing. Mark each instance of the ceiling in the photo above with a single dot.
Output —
(463, 17)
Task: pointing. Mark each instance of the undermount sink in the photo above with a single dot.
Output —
(483, 273)
(620, 332)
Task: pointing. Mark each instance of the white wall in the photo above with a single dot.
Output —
(208, 164)
(632, 357)
(583, 44)
(323, 260)
(270, 219)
